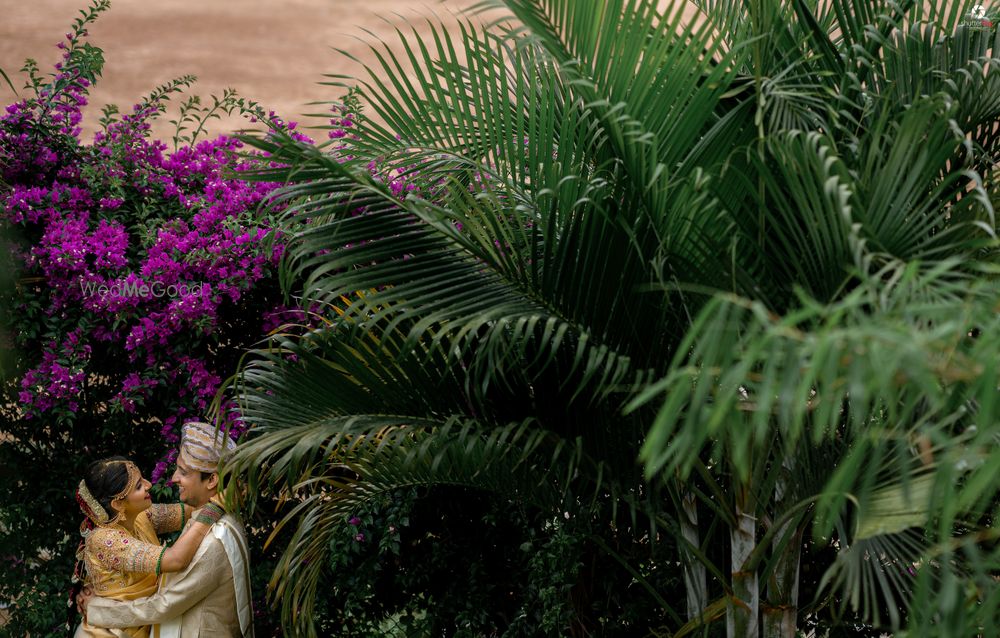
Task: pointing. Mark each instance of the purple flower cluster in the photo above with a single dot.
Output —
(136, 251)
(341, 124)
(138, 268)
(205, 247)
(59, 376)
(68, 94)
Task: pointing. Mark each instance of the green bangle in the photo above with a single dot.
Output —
(210, 514)
(159, 560)
(182, 516)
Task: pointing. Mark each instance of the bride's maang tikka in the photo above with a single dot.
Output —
(92, 508)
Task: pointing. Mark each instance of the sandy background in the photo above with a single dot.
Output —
(273, 51)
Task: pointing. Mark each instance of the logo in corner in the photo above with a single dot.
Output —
(979, 18)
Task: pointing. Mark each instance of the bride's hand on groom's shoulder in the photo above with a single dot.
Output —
(210, 514)
(82, 598)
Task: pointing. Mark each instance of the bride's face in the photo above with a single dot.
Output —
(137, 500)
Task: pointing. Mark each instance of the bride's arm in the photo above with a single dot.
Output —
(118, 551)
(178, 556)
(211, 571)
(168, 517)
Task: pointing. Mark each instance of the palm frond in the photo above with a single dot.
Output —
(808, 228)
(877, 575)
(741, 362)
(354, 461)
(350, 432)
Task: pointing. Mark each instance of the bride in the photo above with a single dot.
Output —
(120, 556)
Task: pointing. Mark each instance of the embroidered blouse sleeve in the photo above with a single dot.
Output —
(117, 551)
(167, 517)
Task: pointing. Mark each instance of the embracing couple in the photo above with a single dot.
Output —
(137, 588)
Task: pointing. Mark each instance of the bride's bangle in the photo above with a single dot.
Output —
(210, 514)
(159, 561)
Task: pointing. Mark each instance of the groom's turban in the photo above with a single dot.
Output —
(203, 446)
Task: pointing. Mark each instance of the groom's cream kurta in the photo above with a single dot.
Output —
(199, 601)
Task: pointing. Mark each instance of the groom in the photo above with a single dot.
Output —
(212, 596)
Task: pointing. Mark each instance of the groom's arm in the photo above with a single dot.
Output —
(203, 575)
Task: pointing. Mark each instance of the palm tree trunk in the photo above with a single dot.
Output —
(695, 580)
(781, 608)
(744, 605)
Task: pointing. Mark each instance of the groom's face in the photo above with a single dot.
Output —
(194, 490)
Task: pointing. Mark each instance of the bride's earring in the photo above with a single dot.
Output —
(118, 508)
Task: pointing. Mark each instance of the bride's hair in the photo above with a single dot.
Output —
(106, 480)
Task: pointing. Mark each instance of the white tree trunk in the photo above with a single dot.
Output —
(781, 608)
(695, 579)
(744, 606)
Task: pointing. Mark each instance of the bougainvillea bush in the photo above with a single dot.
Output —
(140, 275)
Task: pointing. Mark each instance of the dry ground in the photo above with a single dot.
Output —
(273, 51)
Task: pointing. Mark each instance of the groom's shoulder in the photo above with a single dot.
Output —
(211, 556)
(231, 523)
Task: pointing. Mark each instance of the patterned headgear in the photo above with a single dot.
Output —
(203, 446)
(92, 508)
